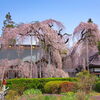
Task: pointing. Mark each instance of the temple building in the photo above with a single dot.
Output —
(16, 52)
(18, 55)
(94, 65)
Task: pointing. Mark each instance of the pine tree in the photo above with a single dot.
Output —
(90, 20)
(8, 21)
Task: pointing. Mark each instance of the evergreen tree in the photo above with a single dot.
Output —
(8, 21)
(90, 20)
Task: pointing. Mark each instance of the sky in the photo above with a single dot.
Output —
(69, 12)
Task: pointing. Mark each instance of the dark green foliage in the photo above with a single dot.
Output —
(97, 86)
(8, 22)
(90, 20)
(97, 79)
(23, 84)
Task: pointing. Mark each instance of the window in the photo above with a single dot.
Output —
(97, 69)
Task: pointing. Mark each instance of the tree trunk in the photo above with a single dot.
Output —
(31, 59)
(87, 58)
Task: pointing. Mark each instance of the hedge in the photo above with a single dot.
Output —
(22, 84)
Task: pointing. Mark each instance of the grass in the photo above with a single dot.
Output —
(93, 93)
(47, 97)
(54, 97)
(70, 96)
(67, 96)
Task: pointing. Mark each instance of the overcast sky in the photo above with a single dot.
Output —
(69, 12)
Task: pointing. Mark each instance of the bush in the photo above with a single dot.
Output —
(85, 81)
(53, 87)
(58, 86)
(12, 95)
(67, 87)
(82, 96)
(22, 84)
(97, 86)
(32, 91)
(19, 88)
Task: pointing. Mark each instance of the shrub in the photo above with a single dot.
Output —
(32, 91)
(58, 86)
(19, 88)
(12, 95)
(67, 86)
(82, 96)
(85, 81)
(53, 87)
(22, 84)
(97, 86)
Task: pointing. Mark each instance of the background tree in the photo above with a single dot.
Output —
(88, 35)
(88, 30)
(8, 24)
(47, 35)
(8, 21)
